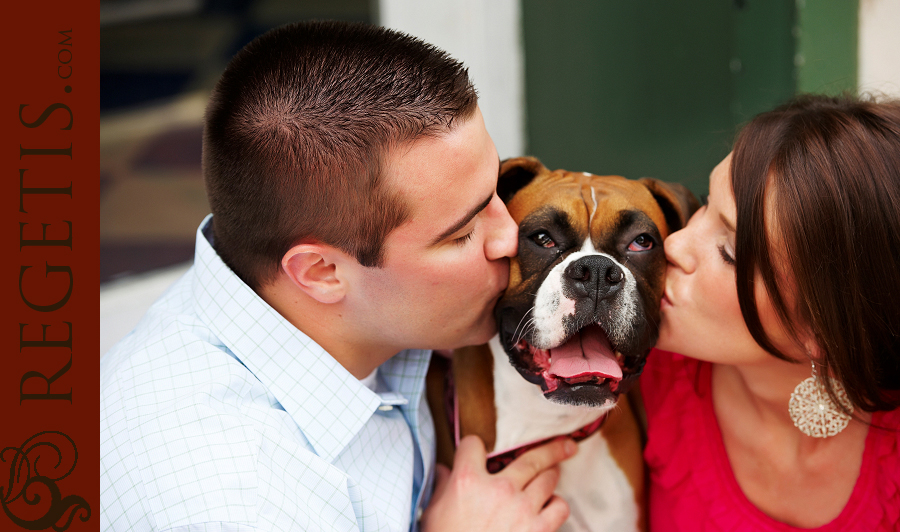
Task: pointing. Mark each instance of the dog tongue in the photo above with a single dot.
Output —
(586, 353)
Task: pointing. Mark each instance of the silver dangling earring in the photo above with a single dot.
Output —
(812, 410)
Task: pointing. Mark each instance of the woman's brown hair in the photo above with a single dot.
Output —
(830, 170)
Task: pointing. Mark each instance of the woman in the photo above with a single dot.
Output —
(783, 295)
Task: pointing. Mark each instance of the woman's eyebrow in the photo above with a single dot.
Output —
(726, 222)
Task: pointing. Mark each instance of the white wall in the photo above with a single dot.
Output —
(124, 302)
(879, 46)
(486, 36)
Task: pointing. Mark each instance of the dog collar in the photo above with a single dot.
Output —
(498, 460)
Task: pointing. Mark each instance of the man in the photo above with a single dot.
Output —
(355, 226)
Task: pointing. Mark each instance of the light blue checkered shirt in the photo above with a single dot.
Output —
(218, 414)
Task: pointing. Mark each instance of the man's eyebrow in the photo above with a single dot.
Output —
(464, 220)
(726, 222)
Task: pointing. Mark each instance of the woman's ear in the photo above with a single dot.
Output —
(313, 269)
(810, 346)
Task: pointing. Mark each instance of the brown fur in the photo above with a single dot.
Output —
(435, 389)
(623, 435)
(473, 375)
(473, 371)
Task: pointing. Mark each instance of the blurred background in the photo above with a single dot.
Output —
(637, 88)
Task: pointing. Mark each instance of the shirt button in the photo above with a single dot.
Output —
(385, 408)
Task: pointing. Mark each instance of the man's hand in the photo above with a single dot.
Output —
(519, 498)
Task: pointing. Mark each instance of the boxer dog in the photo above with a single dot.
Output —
(576, 323)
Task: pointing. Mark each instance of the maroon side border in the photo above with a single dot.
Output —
(49, 274)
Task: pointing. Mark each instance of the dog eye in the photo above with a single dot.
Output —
(543, 239)
(642, 243)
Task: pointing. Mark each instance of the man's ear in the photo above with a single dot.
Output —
(313, 269)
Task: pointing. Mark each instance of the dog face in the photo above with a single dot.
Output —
(582, 308)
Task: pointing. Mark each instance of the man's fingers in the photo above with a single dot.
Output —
(539, 490)
(470, 452)
(518, 498)
(553, 515)
(526, 467)
(441, 477)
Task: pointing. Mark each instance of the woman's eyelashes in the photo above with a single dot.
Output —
(726, 257)
(729, 260)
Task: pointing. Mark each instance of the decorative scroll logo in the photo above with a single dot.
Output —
(31, 498)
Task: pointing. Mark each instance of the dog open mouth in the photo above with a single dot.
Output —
(586, 368)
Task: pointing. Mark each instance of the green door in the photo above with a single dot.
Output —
(659, 87)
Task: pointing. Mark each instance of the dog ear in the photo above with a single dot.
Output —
(676, 201)
(515, 173)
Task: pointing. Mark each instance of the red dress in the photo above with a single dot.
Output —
(692, 486)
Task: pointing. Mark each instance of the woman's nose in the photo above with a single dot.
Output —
(678, 246)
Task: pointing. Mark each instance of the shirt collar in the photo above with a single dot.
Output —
(325, 400)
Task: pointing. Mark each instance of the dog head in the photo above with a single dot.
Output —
(582, 308)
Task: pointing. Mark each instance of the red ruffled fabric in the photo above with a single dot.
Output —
(692, 487)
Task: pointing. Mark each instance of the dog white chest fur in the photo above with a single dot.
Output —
(599, 495)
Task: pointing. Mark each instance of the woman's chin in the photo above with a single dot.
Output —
(669, 339)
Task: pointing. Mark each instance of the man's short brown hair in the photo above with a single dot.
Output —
(296, 134)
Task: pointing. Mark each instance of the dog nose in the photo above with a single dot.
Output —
(595, 276)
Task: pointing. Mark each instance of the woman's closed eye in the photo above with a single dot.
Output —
(729, 260)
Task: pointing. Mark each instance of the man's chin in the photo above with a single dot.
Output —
(480, 334)
(476, 333)
(487, 330)
(483, 339)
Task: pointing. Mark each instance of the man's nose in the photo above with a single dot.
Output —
(502, 239)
